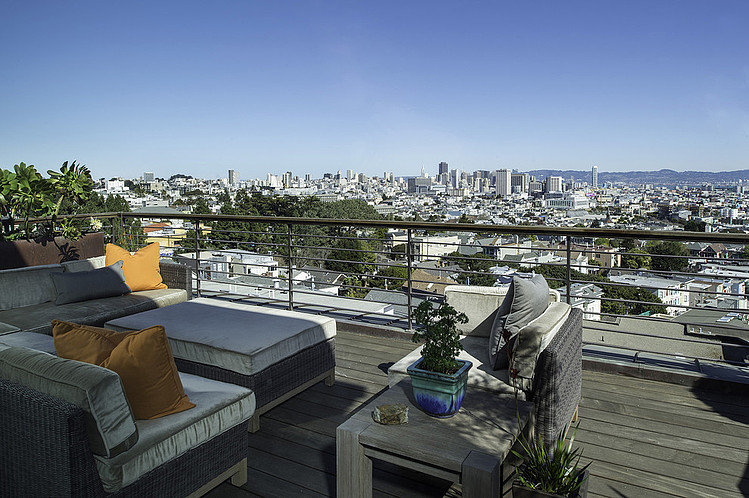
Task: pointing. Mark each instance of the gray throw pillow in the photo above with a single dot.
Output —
(85, 285)
(525, 301)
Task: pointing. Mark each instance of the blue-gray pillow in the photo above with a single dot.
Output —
(85, 285)
(526, 300)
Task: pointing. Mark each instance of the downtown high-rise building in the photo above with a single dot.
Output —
(503, 182)
(147, 177)
(233, 177)
(442, 168)
(553, 184)
(594, 177)
(519, 182)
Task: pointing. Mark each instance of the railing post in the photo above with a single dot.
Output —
(410, 269)
(569, 269)
(291, 268)
(197, 257)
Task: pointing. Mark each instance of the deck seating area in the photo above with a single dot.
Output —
(646, 438)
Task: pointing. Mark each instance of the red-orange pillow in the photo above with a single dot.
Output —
(84, 342)
(145, 364)
(141, 268)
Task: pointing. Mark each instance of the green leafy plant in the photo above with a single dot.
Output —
(26, 194)
(440, 335)
(554, 471)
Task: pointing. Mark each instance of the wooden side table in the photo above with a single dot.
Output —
(468, 448)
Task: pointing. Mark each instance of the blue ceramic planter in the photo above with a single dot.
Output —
(439, 395)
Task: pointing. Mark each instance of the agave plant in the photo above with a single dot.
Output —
(553, 471)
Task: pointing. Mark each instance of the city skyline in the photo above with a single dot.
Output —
(199, 89)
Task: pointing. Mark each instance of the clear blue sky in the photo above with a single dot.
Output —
(200, 87)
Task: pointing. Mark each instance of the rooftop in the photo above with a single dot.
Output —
(645, 437)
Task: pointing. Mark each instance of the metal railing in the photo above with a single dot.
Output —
(347, 268)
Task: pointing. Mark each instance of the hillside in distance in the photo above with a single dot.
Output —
(660, 177)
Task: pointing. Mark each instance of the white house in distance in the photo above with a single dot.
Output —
(674, 294)
(587, 297)
(232, 262)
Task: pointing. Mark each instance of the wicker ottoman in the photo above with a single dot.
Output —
(276, 353)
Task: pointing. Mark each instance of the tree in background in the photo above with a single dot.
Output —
(478, 265)
(389, 277)
(349, 256)
(636, 258)
(663, 252)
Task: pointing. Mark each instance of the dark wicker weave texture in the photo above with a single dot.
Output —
(45, 452)
(176, 276)
(558, 380)
(277, 379)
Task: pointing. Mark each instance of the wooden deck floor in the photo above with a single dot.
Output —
(645, 438)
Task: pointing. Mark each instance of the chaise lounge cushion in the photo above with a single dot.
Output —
(219, 407)
(97, 391)
(238, 337)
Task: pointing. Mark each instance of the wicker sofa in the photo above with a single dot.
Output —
(66, 426)
(27, 297)
(557, 382)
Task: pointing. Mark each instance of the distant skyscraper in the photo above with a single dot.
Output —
(504, 182)
(442, 168)
(233, 177)
(147, 177)
(594, 177)
(520, 182)
(553, 183)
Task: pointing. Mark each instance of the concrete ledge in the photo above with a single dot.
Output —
(665, 368)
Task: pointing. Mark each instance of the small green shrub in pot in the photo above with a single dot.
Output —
(440, 335)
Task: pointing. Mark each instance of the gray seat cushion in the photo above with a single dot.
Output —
(38, 318)
(218, 407)
(31, 340)
(239, 337)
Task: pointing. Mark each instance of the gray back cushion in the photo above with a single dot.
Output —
(525, 301)
(27, 286)
(76, 286)
(84, 264)
(97, 391)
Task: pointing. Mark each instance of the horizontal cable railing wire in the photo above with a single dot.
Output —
(556, 249)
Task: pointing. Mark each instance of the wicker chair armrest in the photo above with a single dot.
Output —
(176, 276)
(557, 385)
(45, 449)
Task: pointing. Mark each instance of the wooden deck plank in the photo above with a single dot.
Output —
(635, 406)
(693, 404)
(662, 434)
(646, 438)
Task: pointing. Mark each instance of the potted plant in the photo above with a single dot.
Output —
(550, 473)
(25, 195)
(438, 377)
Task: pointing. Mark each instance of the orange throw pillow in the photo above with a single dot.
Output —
(142, 359)
(141, 269)
(145, 364)
(84, 342)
